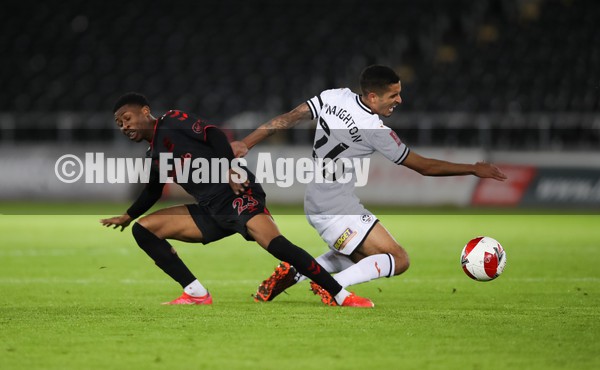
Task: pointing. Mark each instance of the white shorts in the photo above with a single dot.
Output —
(343, 233)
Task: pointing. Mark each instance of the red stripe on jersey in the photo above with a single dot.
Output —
(153, 134)
(395, 137)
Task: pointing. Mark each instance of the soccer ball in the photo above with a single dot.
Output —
(483, 259)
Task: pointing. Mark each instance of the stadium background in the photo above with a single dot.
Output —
(515, 82)
(510, 81)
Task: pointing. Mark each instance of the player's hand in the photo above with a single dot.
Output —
(237, 187)
(487, 170)
(239, 149)
(123, 221)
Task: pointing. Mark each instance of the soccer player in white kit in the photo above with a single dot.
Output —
(348, 126)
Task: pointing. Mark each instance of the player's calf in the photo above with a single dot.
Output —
(163, 255)
(284, 250)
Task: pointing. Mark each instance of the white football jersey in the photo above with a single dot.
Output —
(346, 128)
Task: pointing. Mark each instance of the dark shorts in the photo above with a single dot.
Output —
(228, 214)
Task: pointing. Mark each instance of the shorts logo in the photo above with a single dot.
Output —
(346, 236)
(366, 218)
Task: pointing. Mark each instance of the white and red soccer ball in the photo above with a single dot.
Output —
(483, 259)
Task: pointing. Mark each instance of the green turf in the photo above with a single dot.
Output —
(75, 295)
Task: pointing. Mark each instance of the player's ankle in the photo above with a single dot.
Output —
(341, 296)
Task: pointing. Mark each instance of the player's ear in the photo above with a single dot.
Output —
(146, 110)
(372, 97)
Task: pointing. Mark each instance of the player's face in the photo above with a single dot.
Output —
(133, 120)
(385, 102)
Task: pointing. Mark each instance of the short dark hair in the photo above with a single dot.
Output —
(377, 78)
(131, 98)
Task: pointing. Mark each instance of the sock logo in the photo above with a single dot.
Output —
(378, 269)
(314, 268)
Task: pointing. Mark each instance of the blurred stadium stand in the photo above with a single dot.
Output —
(498, 73)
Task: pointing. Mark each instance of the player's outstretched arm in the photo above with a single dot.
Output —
(123, 221)
(488, 170)
(281, 122)
(150, 195)
(435, 167)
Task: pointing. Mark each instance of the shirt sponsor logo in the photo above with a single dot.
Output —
(343, 240)
(197, 127)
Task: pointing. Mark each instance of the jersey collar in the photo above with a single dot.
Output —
(362, 105)
(153, 134)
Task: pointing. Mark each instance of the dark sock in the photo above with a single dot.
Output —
(284, 250)
(162, 254)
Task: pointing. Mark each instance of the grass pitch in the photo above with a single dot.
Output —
(75, 295)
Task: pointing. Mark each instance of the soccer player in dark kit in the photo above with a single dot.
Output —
(222, 208)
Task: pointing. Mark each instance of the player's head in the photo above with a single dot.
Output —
(131, 98)
(132, 115)
(380, 87)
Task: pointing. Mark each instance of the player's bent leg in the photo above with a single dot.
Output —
(332, 262)
(379, 255)
(172, 223)
(286, 275)
(263, 230)
(380, 241)
(150, 233)
(262, 227)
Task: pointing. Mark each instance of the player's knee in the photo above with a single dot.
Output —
(145, 222)
(139, 231)
(159, 250)
(142, 234)
(402, 265)
(136, 229)
(150, 223)
(401, 260)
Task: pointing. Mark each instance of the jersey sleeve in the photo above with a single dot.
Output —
(148, 197)
(386, 141)
(315, 104)
(219, 143)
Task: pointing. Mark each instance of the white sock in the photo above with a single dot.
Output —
(367, 269)
(341, 296)
(332, 262)
(195, 289)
